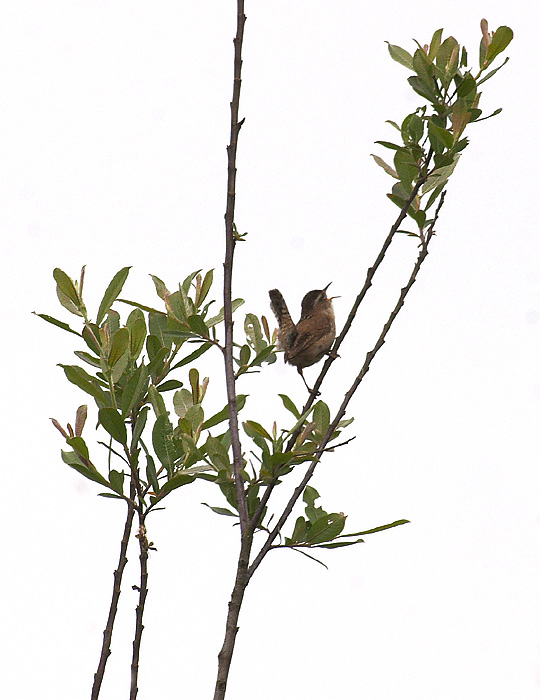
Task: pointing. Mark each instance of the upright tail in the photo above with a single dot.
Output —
(287, 328)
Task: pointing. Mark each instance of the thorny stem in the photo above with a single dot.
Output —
(348, 396)
(228, 267)
(107, 634)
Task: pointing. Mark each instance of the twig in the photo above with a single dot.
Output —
(348, 396)
(107, 634)
(139, 612)
(241, 581)
(228, 268)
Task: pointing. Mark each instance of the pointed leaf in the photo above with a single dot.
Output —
(113, 423)
(56, 322)
(400, 55)
(111, 293)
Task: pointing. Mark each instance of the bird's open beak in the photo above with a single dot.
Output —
(330, 298)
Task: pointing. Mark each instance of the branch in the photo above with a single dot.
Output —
(333, 352)
(228, 267)
(139, 611)
(348, 396)
(107, 634)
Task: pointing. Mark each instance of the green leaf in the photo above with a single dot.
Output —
(333, 545)
(111, 293)
(467, 87)
(113, 423)
(326, 528)
(116, 480)
(219, 318)
(217, 453)
(492, 73)
(151, 474)
(66, 285)
(158, 327)
(299, 532)
(137, 336)
(289, 405)
(86, 357)
(205, 287)
(162, 440)
(222, 415)
(182, 400)
(193, 356)
(186, 284)
(90, 335)
(221, 511)
(252, 328)
(439, 138)
(400, 55)
(502, 37)
(426, 90)
(175, 482)
(460, 117)
(119, 345)
(406, 168)
(391, 146)
(198, 326)
(267, 354)
(380, 528)
(445, 52)
(387, 168)
(56, 322)
(169, 385)
(252, 428)
(310, 495)
(135, 389)
(321, 416)
(158, 404)
(195, 415)
(76, 375)
(435, 43)
(161, 289)
(139, 427)
(71, 459)
(176, 305)
(157, 361)
(79, 445)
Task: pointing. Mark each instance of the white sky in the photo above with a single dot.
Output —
(113, 128)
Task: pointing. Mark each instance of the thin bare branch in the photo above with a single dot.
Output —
(228, 269)
(107, 634)
(139, 612)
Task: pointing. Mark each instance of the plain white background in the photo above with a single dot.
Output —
(113, 128)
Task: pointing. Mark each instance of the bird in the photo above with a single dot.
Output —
(308, 341)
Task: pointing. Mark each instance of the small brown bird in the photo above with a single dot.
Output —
(308, 341)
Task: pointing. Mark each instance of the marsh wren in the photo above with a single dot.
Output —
(308, 341)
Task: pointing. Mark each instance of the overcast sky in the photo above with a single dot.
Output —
(113, 128)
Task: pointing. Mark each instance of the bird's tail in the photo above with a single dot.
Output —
(281, 312)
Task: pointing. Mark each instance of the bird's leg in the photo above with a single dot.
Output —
(304, 380)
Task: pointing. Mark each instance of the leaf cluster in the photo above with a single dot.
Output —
(432, 137)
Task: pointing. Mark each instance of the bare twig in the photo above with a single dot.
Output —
(107, 634)
(139, 612)
(348, 396)
(241, 581)
(228, 268)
